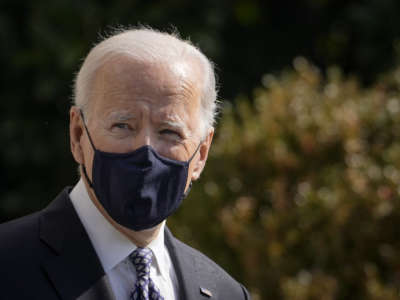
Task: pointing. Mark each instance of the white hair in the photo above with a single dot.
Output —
(147, 45)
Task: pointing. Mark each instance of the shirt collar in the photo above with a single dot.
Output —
(111, 245)
(159, 250)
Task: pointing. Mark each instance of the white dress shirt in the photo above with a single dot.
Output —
(113, 249)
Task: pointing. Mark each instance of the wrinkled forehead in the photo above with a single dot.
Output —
(123, 77)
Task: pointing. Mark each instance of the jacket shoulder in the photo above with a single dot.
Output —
(19, 238)
(18, 231)
(203, 259)
(227, 286)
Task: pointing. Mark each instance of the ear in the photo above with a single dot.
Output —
(75, 134)
(200, 162)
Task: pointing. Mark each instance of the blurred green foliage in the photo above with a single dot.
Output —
(300, 197)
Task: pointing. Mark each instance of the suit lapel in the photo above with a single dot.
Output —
(196, 279)
(75, 270)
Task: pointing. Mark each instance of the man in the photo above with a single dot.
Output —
(140, 130)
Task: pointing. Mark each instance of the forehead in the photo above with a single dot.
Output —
(123, 82)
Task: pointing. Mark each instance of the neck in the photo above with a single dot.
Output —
(140, 238)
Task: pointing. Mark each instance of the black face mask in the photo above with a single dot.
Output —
(138, 189)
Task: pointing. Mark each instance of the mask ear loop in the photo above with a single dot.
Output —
(185, 194)
(197, 149)
(87, 131)
(91, 143)
(189, 161)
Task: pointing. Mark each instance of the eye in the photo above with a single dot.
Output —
(121, 126)
(171, 133)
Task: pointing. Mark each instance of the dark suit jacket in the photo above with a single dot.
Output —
(48, 255)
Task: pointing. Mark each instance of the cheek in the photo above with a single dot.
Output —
(173, 152)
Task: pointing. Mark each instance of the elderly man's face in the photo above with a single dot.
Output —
(135, 104)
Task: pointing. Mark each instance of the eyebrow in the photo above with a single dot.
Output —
(177, 125)
(120, 116)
